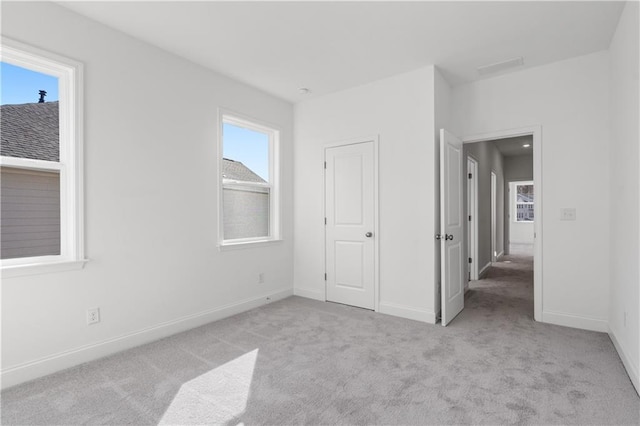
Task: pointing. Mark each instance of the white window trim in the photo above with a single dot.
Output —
(70, 166)
(515, 201)
(274, 132)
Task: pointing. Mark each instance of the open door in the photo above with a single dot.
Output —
(451, 226)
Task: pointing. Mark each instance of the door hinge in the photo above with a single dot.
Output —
(469, 218)
(325, 220)
(470, 175)
(325, 276)
(325, 164)
(470, 260)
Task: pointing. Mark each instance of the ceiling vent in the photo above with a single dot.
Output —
(500, 66)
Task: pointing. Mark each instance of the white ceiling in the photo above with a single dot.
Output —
(510, 147)
(330, 46)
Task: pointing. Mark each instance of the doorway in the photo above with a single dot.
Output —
(495, 236)
(351, 231)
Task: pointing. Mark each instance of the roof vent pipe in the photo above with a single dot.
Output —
(42, 93)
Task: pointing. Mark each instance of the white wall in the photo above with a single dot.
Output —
(570, 100)
(489, 160)
(516, 168)
(625, 177)
(400, 110)
(151, 209)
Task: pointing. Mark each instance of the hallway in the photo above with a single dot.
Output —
(507, 289)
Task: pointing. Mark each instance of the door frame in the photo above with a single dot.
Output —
(472, 225)
(536, 132)
(376, 209)
(494, 216)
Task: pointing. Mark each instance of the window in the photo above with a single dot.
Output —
(249, 181)
(524, 202)
(40, 161)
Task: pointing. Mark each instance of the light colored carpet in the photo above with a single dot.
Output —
(300, 361)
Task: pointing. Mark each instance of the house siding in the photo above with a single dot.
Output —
(30, 213)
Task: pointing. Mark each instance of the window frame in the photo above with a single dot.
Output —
(70, 162)
(515, 201)
(273, 186)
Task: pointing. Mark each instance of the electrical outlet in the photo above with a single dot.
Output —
(93, 316)
(261, 278)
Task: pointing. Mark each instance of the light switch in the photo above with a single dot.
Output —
(568, 213)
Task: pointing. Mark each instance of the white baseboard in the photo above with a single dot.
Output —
(309, 294)
(575, 321)
(21, 373)
(484, 270)
(500, 255)
(632, 370)
(407, 312)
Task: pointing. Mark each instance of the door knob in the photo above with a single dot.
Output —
(368, 235)
(444, 237)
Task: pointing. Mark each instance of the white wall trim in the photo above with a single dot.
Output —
(575, 321)
(500, 255)
(407, 312)
(484, 270)
(632, 370)
(30, 370)
(310, 294)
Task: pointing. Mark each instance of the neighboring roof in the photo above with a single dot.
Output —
(235, 170)
(30, 131)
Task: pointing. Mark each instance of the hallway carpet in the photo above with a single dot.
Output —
(300, 361)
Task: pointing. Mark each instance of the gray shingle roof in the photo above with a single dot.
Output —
(30, 131)
(235, 170)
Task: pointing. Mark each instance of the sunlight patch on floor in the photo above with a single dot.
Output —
(217, 396)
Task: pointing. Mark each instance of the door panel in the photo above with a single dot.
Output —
(452, 291)
(349, 261)
(349, 209)
(348, 175)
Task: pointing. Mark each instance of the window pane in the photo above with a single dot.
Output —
(524, 193)
(30, 118)
(525, 212)
(248, 147)
(246, 212)
(30, 213)
(245, 179)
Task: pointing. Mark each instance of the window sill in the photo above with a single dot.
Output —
(247, 244)
(11, 271)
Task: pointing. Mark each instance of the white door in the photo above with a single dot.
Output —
(349, 211)
(472, 222)
(451, 229)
